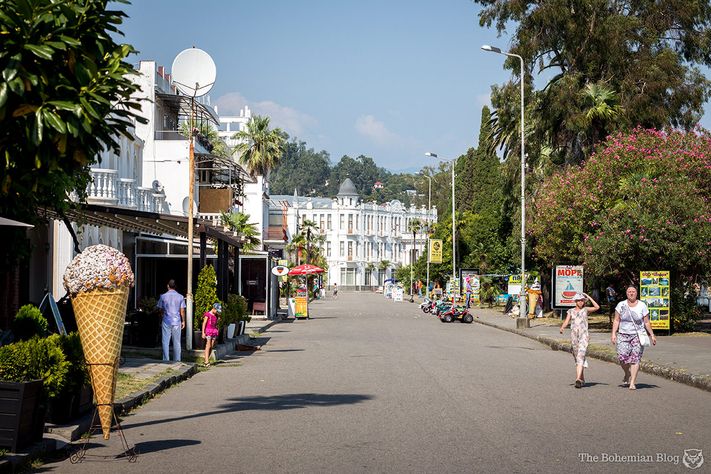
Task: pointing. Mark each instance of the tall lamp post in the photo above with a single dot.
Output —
(429, 216)
(522, 317)
(454, 230)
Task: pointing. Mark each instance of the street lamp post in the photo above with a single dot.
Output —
(454, 230)
(522, 317)
(429, 217)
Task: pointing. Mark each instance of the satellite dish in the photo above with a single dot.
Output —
(157, 187)
(194, 72)
(185, 206)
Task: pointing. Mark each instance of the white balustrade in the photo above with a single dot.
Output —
(102, 188)
(127, 193)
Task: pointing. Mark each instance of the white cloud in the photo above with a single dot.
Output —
(376, 131)
(294, 122)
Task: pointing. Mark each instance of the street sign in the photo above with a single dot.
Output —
(280, 270)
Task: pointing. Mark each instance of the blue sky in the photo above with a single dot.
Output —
(387, 79)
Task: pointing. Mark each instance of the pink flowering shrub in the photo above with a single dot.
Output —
(641, 203)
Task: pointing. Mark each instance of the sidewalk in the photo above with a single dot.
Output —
(682, 358)
(166, 374)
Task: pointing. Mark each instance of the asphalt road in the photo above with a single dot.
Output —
(369, 385)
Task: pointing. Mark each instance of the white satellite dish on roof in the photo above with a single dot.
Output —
(186, 207)
(194, 72)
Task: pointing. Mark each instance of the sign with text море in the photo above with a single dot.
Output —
(567, 281)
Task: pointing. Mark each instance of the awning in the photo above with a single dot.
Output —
(10, 223)
(182, 103)
(130, 220)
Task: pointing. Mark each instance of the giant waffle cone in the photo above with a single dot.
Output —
(100, 317)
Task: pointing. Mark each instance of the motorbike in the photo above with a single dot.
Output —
(427, 305)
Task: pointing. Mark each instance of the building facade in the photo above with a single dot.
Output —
(363, 241)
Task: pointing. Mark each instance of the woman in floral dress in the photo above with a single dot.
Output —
(579, 336)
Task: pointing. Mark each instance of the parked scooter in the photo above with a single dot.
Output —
(427, 305)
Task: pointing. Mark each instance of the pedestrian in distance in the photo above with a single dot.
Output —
(611, 295)
(579, 335)
(631, 319)
(335, 291)
(172, 305)
(209, 329)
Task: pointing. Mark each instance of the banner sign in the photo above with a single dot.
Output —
(514, 285)
(654, 290)
(301, 307)
(280, 270)
(567, 281)
(435, 251)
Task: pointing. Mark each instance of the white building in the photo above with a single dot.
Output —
(358, 235)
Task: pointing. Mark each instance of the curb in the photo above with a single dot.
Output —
(677, 375)
(127, 403)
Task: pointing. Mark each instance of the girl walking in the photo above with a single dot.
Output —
(209, 329)
(579, 336)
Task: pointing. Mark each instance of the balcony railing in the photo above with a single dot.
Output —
(108, 189)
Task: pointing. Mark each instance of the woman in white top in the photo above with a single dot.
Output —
(631, 315)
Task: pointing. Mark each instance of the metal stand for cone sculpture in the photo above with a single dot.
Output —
(129, 453)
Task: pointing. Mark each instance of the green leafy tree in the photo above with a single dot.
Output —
(260, 147)
(361, 170)
(65, 95)
(646, 53)
(302, 169)
(206, 294)
(640, 203)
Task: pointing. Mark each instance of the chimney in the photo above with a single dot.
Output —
(160, 71)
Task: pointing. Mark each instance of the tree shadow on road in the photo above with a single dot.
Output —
(274, 403)
(163, 445)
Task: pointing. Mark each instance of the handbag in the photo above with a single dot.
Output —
(641, 331)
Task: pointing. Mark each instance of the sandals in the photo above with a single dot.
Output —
(578, 383)
(625, 382)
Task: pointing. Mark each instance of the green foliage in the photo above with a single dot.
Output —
(488, 291)
(65, 95)
(641, 203)
(615, 65)
(239, 222)
(260, 149)
(77, 374)
(206, 294)
(28, 323)
(302, 169)
(38, 358)
(234, 310)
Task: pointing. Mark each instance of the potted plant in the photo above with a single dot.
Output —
(205, 297)
(31, 372)
(75, 397)
(232, 313)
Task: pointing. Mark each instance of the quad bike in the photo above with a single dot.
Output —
(456, 312)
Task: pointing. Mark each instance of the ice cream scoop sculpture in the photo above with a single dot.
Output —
(98, 280)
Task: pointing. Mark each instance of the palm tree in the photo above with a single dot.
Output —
(260, 148)
(369, 267)
(238, 222)
(602, 110)
(382, 268)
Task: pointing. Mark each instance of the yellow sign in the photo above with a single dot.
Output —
(654, 290)
(435, 251)
(301, 309)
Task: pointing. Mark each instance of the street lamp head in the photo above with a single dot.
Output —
(490, 48)
(433, 155)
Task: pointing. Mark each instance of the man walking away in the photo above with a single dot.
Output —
(611, 299)
(172, 305)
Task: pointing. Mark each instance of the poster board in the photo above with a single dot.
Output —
(470, 284)
(398, 293)
(655, 291)
(514, 286)
(301, 309)
(567, 280)
(435, 251)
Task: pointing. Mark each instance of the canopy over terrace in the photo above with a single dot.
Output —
(130, 220)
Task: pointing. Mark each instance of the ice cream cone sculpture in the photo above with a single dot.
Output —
(98, 280)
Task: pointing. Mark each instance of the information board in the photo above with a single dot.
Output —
(567, 281)
(655, 291)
